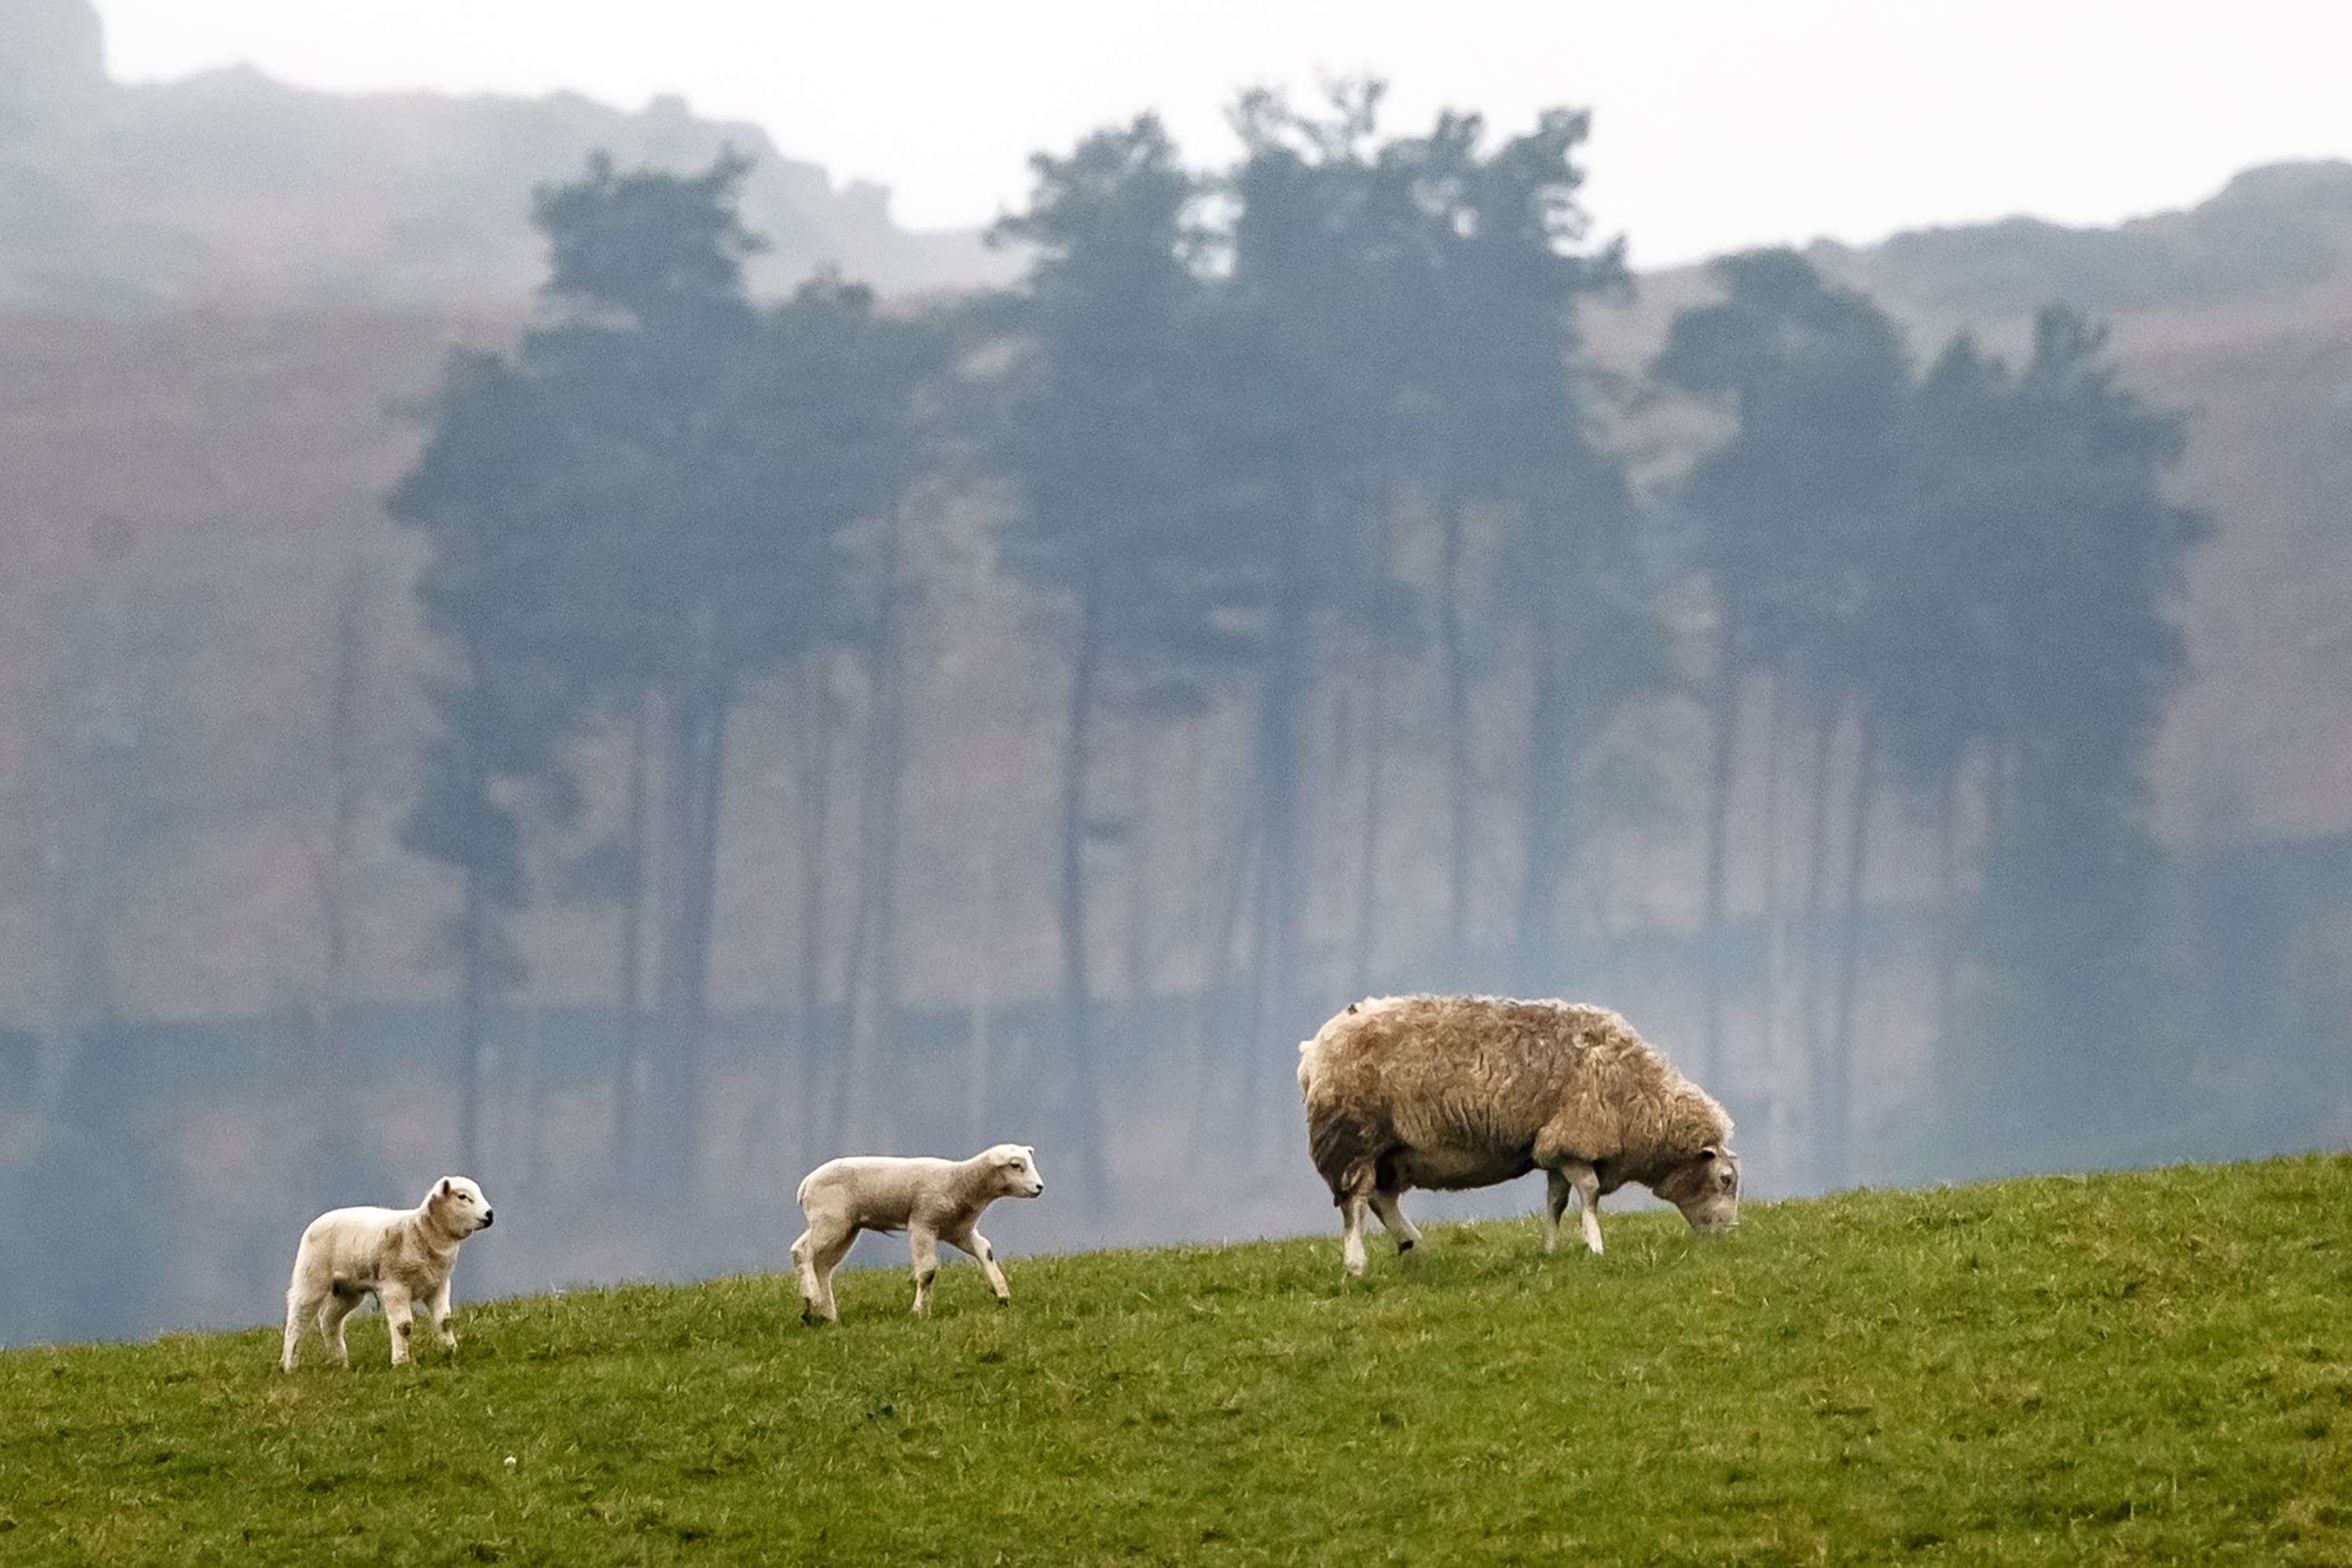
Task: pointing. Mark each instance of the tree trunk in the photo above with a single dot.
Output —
(1551, 762)
(868, 990)
(1078, 1022)
(1454, 645)
(1817, 874)
(1275, 925)
(816, 843)
(698, 747)
(1722, 758)
(628, 1087)
(1376, 749)
(1838, 1142)
(1947, 903)
(1142, 877)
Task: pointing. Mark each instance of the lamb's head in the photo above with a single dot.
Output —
(458, 1207)
(1706, 1187)
(1013, 1170)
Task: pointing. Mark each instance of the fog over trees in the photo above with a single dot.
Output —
(1372, 644)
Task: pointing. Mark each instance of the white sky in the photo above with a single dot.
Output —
(1718, 123)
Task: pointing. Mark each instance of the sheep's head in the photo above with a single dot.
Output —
(1706, 1187)
(1015, 1168)
(458, 1207)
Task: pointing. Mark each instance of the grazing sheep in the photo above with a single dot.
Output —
(930, 1200)
(1465, 1092)
(398, 1255)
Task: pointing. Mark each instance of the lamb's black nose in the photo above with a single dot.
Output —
(488, 1219)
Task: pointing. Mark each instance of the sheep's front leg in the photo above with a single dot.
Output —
(1351, 1233)
(440, 1310)
(971, 1241)
(1555, 1196)
(398, 1309)
(1393, 1220)
(924, 1245)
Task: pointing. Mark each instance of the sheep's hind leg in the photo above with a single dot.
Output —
(1557, 1192)
(1393, 1220)
(298, 1308)
(924, 1246)
(331, 1312)
(1351, 1233)
(815, 1258)
(1587, 1182)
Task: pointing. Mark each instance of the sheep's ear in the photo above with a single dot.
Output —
(448, 1190)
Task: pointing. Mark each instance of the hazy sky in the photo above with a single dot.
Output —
(1718, 123)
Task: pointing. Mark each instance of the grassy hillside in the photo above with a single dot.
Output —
(2138, 1367)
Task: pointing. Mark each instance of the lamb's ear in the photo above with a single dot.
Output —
(447, 1190)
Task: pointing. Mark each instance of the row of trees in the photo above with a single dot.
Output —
(1968, 570)
(1281, 441)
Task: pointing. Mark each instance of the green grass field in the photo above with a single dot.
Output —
(2134, 1368)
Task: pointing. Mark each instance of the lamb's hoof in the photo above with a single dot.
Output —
(1409, 1256)
(1004, 1300)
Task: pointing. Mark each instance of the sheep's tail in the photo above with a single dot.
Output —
(1346, 1139)
(1345, 1148)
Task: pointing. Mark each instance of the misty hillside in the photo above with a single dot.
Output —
(225, 309)
(2143, 1367)
(231, 187)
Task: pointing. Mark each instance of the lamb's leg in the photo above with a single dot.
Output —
(1393, 1220)
(971, 1241)
(337, 1306)
(299, 1308)
(398, 1309)
(440, 1311)
(1351, 1233)
(1555, 1196)
(924, 1245)
(814, 1257)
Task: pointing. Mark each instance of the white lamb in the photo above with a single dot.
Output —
(399, 1256)
(930, 1200)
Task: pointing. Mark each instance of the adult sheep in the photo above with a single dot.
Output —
(1465, 1092)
